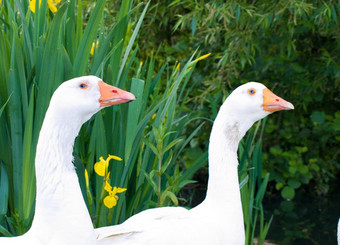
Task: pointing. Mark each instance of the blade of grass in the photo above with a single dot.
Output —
(28, 170)
(49, 64)
(4, 189)
(90, 32)
(137, 88)
(4, 105)
(119, 37)
(5, 232)
(15, 124)
(132, 40)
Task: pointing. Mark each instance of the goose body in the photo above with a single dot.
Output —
(61, 216)
(219, 218)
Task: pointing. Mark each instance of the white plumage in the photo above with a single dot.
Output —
(219, 218)
(61, 216)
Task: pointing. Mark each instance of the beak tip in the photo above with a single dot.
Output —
(132, 97)
(290, 106)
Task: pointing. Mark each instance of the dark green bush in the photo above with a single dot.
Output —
(291, 46)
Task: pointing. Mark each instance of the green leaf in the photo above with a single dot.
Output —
(303, 169)
(288, 192)
(80, 170)
(4, 105)
(318, 117)
(5, 232)
(152, 147)
(171, 195)
(151, 181)
(292, 170)
(279, 186)
(315, 167)
(28, 170)
(137, 88)
(3, 189)
(294, 183)
(166, 164)
(88, 38)
(183, 183)
(132, 40)
(171, 144)
(244, 181)
(261, 190)
(47, 68)
(119, 37)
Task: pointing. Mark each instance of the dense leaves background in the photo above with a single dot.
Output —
(293, 48)
(290, 46)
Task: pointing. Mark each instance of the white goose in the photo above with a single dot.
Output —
(219, 218)
(61, 216)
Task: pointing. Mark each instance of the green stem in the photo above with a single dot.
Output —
(159, 178)
(100, 205)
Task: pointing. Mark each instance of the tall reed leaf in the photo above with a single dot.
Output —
(90, 32)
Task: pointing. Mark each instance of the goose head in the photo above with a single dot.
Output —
(82, 97)
(247, 104)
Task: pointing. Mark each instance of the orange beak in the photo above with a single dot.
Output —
(110, 95)
(272, 102)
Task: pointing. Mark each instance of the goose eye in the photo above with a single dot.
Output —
(251, 91)
(83, 86)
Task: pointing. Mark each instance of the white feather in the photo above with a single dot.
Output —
(219, 218)
(61, 216)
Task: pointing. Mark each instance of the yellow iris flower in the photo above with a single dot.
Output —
(178, 66)
(101, 167)
(111, 200)
(203, 57)
(50, 3)
(93, 47)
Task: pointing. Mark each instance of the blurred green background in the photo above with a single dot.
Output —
(151, 48)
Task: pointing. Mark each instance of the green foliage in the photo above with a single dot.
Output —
(253, 186)
(292, 47)
(40, 50)
(35, 61)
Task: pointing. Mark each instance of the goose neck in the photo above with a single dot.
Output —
(227, 131)
(54, 151)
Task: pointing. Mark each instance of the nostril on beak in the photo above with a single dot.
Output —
(114, 91)
(277, 100)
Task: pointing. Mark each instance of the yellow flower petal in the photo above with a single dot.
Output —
(119, 190)
(203, 57)
(107, 187)
(107, 176)
(110, 201)
(32, 5)
(100, 167)
(87, 179)
(178, 66)
(92, 48)
(114, 158)
(51, 6)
